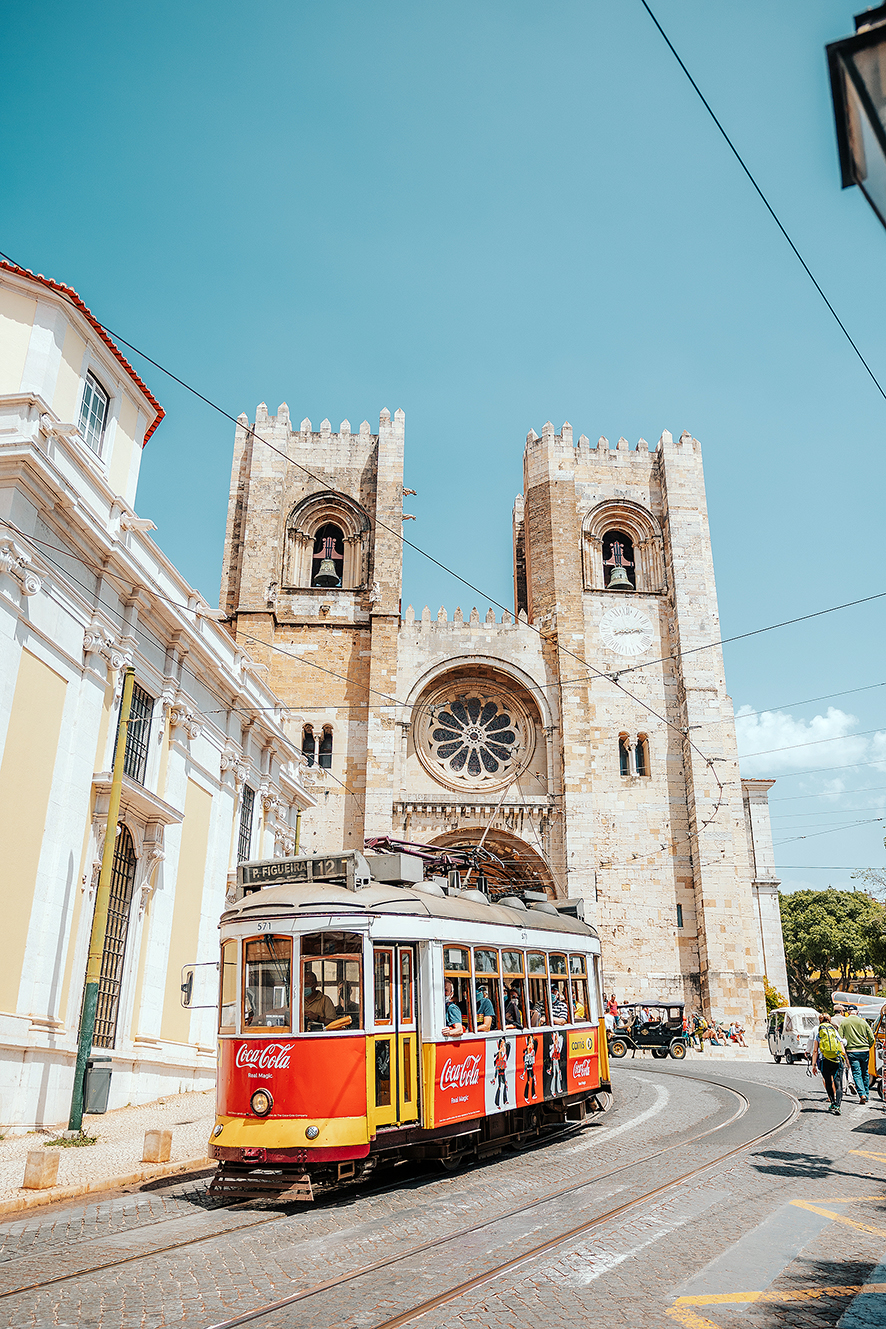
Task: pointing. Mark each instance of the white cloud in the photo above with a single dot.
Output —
(783, 742)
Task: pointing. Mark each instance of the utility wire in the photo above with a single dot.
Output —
(768, 206)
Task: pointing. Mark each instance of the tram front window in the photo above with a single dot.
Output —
(332, 985)
(267, 963)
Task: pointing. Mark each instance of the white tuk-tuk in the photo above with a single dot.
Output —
(788, 1032)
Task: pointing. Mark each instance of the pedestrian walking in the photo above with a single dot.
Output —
(858, 1037)
(828, 1058)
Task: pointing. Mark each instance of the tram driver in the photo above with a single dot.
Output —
(319, 1010)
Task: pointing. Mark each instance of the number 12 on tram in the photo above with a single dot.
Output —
(387, 1022)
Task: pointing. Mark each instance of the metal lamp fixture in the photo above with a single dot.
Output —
(858, 86)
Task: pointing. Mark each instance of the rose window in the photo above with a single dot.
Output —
(474, 736)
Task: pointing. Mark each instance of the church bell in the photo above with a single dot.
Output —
(326, 574)
(619, 580)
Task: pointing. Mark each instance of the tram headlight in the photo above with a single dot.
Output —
(312, 1132)
(218, 1130)
(261, 1102)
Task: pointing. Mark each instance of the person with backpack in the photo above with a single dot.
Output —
(827, 1057)
(857, 1035)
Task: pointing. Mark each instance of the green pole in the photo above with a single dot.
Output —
(100, 917)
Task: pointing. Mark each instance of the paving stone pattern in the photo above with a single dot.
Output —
(628, 1271)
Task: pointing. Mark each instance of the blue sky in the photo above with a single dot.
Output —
(492, 215)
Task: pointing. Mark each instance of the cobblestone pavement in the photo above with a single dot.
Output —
(649, 1266)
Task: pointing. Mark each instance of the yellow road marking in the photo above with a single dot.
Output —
(849, 1199)
(839, 1218)
(866, 1153)
(682, 1309)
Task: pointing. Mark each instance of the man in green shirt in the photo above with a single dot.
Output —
(856, 1033)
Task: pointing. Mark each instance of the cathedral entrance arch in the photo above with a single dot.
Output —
(523, 868)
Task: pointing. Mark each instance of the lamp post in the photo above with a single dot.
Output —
(858, 85)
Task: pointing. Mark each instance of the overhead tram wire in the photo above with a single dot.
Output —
(612, 677)
(295, 708)
(832, 830)
(765, 201)
(680, 729)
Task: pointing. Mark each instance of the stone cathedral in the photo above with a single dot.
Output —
(588, 735)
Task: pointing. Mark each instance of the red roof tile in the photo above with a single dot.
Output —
(70, 294)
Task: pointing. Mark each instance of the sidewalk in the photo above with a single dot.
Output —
(115, 1158)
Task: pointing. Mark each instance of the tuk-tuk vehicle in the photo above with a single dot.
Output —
(649, 1026)
(788, 1031)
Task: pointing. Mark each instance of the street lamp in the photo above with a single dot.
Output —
(858, 86)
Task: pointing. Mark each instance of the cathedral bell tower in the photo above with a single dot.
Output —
(311, 584)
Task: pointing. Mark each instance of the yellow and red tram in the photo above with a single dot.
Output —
(365, 1014)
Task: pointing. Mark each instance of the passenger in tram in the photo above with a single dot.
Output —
(319, 1010)
(453, 1025)
(578, 1004)
(559, 1007)
(347, 1006)
(514, 1007)
(485, 1011)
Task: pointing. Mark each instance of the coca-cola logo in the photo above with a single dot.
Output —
(455, 1075)
(580, 1069)
(264, 1056)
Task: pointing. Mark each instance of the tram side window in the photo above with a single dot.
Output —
(267, 963)
(227, 1015)
(559, 992)
(513, 974)
(539, 1011)
(332, 982)
(487, 991)
(383, 987)
(457, 969)
(581, 1006)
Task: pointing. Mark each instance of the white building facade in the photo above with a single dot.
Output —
(211, 777)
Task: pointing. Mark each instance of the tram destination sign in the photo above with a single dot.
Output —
(350, 868)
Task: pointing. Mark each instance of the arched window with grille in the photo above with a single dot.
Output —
(326, 747)
(114, 949)
(308, 745)
(624, 755)
(642, 755)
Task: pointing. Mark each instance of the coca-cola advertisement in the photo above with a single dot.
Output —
(459, 1085)
(306, 1077)
(583, 1064)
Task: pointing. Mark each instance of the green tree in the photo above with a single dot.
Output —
(774, 998)
(827, 931)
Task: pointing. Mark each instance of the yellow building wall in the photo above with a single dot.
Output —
(124, 445)
(67, 386)
(16, 321)
(25, 782)
(176, 1021)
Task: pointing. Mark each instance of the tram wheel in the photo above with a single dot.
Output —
(618, 1048)
(602, 1101)
(677, 1050)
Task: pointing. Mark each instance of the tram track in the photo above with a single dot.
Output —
(543, 1248)
(364, 1271)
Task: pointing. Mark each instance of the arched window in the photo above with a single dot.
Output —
(326, 748)
(618, 561)
(308, 744)
(329, 556)
(328, 516)
(624, 755)
(642, 754)
(114, 948)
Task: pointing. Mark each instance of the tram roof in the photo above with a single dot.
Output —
(325, 898)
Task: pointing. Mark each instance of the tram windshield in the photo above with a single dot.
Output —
(267, 964)
(332, 982)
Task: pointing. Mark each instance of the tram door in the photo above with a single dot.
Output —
(393, 1071)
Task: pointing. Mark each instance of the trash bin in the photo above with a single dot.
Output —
(97, 1084)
